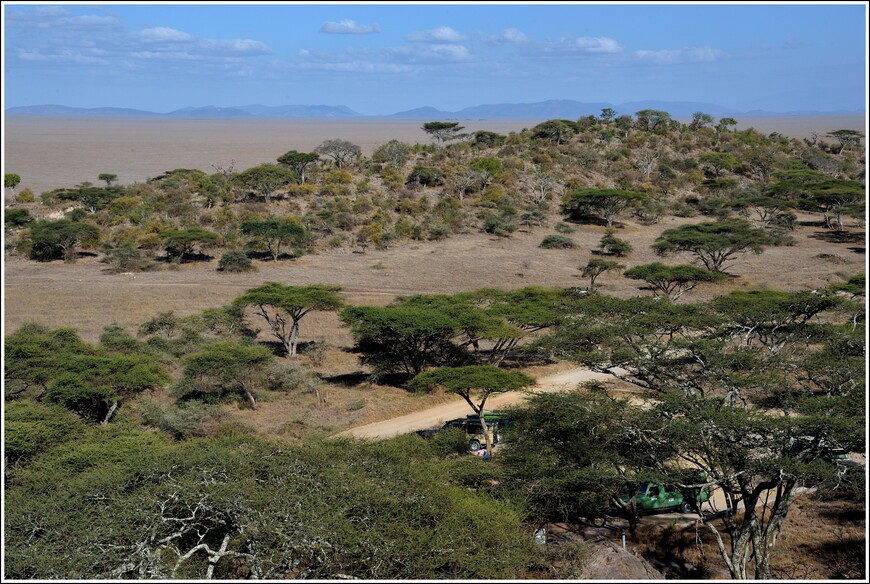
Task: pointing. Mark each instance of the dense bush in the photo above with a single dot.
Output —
(558, 242)
(17, 217)
(320, 511)
(235, 260)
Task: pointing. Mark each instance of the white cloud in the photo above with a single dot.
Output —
(348, 62)
(510, 35)
(348, 26)
(66, 56)
(435, 53)
(442, 34)
(671, 57)
(597, 44)
(55, 34)
(365, 67)
(162, 34)
(56, 17)
(237, 47)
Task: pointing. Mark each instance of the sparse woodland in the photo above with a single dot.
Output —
(121, 460)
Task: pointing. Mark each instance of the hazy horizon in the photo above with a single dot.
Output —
(51, 153)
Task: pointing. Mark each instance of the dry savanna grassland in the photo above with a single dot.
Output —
(86, 295)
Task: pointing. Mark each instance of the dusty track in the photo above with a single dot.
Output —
(435, 416)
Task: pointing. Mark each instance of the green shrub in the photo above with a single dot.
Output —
(612, 245)
(184, 420)
(497, 225)
(17, 217)
(425, 176)
(25, 196)
(235, 261)
(438, 232)
(30, 428)
(558, 242)
(562, 227)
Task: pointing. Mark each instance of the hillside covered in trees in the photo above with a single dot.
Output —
(124, 458)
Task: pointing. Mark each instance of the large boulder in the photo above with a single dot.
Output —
(608, 561)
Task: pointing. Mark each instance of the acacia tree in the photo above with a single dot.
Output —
(443, 131)
(393, 152)
(222, 368)
(719, 161)
(714, 243)
(93, 198)
(597, 266)
(701, 120)
(672, 282)
(555, 131)
(487, 169)
(512, 316)
(739, 392)
(10, 181)
(403, 339)
(607, 202)
(60, 239)
(652, 120)
(275, 303)
(593, 464)
(108, 177)
(277, 232)
(541, 184)
(181, 243)
(298, 161)
(341, 151)
(56, 366)
(475, 384)
(265, 179)
(847, 138)
(766, 211)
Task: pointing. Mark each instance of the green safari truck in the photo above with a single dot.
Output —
(656, 497)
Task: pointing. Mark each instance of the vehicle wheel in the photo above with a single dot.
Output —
(687, 507)
(475, 445)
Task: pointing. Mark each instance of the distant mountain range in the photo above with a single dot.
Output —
(543, 110)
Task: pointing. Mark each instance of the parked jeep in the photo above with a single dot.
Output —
(657, 497)
(472, 428)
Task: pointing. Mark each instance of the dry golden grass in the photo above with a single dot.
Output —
(84, 296)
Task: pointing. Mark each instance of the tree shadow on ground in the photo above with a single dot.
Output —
(591, 220)
(265, 256)
(348, 379)
(188, 258)
(840, 236)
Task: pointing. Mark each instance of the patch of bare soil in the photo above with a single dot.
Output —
(820, 540)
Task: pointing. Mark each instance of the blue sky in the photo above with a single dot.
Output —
(385, 58)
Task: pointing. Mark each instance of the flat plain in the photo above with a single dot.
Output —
(50, 153)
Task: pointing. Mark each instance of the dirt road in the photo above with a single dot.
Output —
(436, 416)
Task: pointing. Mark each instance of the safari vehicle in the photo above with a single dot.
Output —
(473, 429)
(828, 451)
(659, 497)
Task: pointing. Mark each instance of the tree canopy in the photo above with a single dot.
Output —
(443, 131)
(475, 384)
(672, 281)
(608, 202)
(276, 232)
(715, 244)
(276, 302)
